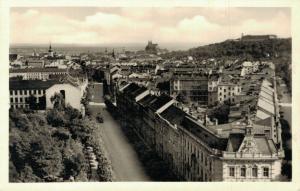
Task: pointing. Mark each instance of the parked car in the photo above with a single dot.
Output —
(89, 149)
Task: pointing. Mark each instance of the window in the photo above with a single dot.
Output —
(266, 171)
(63, 93)
(224, 90)
(11, 92)
(11, 100)
(16, 100)
(21, 92)
(243, 171)
(21, 99)
(254, 171)
(231, 171)
(39, 91)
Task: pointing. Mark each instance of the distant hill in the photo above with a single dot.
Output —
(234, 48)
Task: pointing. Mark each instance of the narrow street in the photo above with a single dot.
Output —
(125, 162)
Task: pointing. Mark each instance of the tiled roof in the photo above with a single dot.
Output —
(264, 145)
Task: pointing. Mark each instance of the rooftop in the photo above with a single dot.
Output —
(26, 70)
(31, 84)
(159, 102)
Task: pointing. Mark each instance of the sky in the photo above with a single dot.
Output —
(91, 25)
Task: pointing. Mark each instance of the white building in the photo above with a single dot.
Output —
(228, 92)
(42, 91)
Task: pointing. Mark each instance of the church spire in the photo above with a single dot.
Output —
(50, 48)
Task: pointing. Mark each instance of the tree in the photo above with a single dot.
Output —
(56, 118)
(221, 113)
(58, 101)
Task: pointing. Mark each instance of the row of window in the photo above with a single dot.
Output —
(232, 100)
(21, 106)
(238, 89)
(197, 156)
(254, 171)
(22, 99)
(225, 95)
(26, 92)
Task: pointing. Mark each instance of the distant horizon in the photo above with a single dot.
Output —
(167, 45)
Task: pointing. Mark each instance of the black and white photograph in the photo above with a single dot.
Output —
(150, 94)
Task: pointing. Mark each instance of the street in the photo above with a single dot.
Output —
(125, 162)
(285, 102)
(124, 159)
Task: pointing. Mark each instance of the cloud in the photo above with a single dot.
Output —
(131, 25)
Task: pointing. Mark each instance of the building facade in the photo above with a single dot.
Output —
(37, 73)
(196, 152)
(194, 88)
(228, 92)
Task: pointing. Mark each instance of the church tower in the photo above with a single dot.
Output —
(50, 51)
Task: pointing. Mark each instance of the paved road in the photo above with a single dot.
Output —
(96, 92)
(285, 103)
(125, 162)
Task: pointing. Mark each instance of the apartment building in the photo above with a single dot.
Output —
(194, 151)
(228, 92)
(193, 87)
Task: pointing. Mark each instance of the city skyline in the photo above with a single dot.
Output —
(137, 25)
